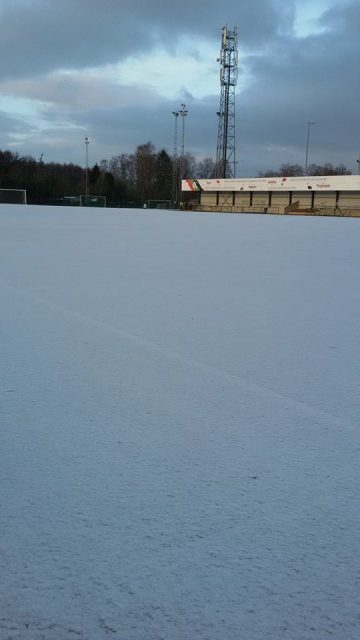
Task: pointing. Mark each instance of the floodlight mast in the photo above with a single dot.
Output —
(87, 168)
(174, 191)
(183, 113)
(225, 150)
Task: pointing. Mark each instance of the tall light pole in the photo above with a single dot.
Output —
(175, 162)
(309, 124)
(183, 112)
(86, 169)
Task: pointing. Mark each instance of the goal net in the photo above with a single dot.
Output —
(92, 201)
(158, 204)
(13, 196)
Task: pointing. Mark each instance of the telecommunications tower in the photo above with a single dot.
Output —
(225, 150)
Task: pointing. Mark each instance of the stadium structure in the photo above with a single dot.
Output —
(312, 195)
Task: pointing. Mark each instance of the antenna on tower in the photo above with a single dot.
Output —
(225, 150)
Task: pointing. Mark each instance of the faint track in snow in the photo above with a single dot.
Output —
(169, 353)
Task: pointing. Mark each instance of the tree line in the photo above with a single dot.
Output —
(126, 179)
(289, 170)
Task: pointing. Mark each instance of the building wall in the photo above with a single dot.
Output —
(260, 199)
(349, 200)
(226, 198)
(208, 198)
(325, 199)
(304, 198)
(280, 200)
(242, 199)
(277, 201)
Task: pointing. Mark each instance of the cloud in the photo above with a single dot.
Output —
(39, 36)
(78, 90)
(101, 69)
(12, 126)
(297, 80)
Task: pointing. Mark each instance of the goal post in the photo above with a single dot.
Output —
(158, 204)
(92, 201)
(13, 196)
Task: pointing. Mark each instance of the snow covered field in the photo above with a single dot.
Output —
(179, 442)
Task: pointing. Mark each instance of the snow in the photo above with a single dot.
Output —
(179, 426)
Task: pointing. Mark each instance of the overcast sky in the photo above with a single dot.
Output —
(114, 70)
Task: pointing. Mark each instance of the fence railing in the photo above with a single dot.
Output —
(225, 208)
(349, 212)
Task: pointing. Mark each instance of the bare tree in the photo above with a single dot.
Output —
(288, 170)
(145, 161)
(205, 168)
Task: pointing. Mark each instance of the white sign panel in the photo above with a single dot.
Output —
(307, 183)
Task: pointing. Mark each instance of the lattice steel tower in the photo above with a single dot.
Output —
(225, 150)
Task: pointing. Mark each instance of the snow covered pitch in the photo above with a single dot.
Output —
(179, 441)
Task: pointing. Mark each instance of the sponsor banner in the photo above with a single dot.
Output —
(307, 183)
(192, 185)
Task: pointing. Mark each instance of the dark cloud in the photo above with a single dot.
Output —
(293, 80)
(309, 79)
(42, 35)
(11, 126)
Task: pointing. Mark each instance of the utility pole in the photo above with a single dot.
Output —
(309, 124)
(87, 169)
(174, 190)
(183, 113)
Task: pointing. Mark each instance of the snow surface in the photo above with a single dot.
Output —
(179, 426)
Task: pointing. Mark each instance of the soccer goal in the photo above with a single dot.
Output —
(13, 196)
(158, 204)
(92, 201)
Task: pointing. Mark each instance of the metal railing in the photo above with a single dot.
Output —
(232, 209)
(349, 212)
